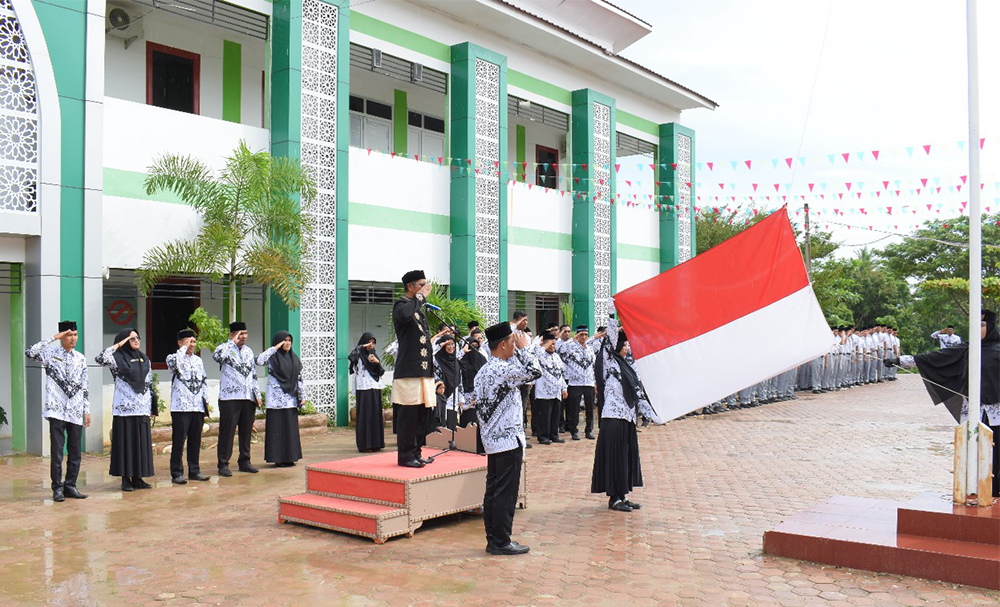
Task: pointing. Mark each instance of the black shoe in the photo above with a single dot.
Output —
(558, 440)
(198, 477)
(126, 485)
(510, 549)
(73, 493)
(527, 445)
(575, 436)
(249, 468)
(178, 480)
(138, 483)
(425, 461)
(817, 391)
(590, 435)
(57, 495)
(633, 505)
(225, 471)
(544, 441)
(620, 506)
(413, 464)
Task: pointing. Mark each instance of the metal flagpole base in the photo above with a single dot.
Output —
(962, 493)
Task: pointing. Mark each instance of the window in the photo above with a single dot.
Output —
(425, 135)
(371, 124)
(546, 167)
(168, 307)
(172, 78)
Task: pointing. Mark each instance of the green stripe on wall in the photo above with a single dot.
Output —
(638, 252)
(232, 81)
(364, 24)
(520, 153)
(638, 123)
(376, 216)
(540, 239)
(539, 87)
(130, 184)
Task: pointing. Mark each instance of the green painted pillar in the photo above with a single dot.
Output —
(310, 89)
(521, 154)
(677, 225)
(400, 122)
(232, 81)
(17, 415)
(479, 189)
(595, 248)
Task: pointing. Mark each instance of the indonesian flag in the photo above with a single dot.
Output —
(738, 314)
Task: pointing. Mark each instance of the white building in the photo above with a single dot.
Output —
(489, 142)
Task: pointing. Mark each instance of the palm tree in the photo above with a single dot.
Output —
(252, 226)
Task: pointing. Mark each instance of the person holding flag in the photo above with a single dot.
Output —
(617, 470)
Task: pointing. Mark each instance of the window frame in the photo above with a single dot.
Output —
(153, 47)
(554, 165)
(148, 337)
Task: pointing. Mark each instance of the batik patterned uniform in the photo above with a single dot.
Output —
(578, 362)
(498, 399)
(127, 402)
(237, 372)
(552, 383)
(615, 405)
(277, 398)
(188, 391)
(67, 397)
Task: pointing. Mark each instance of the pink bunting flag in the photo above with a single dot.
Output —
(875, 154)
(788, 161)
(847, 156)
(927, 149)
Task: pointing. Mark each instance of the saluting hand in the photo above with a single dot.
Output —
(59, 335)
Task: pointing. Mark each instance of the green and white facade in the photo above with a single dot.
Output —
(491, 143)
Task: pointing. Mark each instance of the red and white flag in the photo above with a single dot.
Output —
(735, 315)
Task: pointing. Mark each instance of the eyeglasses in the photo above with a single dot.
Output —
(133, 339)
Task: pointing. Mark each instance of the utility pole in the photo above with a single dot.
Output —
(809, 268)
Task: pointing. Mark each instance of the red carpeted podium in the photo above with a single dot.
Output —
(373, 497)
(927, 537)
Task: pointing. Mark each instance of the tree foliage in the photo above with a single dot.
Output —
(251, 224)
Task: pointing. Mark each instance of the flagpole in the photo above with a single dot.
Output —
(975, 259)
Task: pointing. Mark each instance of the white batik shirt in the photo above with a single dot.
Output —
(363, 380)
(615, 405)
(552, 383)
(578, 362)
(126, 402)
(66, 394)
(947, 341)
(188, 392)
(277, 398)
(237, 372)
(498, 400)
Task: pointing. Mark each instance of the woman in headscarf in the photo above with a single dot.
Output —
(285, 394)
(133, 408)
(472, 361)
(616, 458)
(369, 431)
(451, 395)
(946, 376)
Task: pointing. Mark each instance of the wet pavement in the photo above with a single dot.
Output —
(713, 486)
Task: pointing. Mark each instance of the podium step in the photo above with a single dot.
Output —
(376, 521)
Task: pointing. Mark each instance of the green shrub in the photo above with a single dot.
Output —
(211, 333)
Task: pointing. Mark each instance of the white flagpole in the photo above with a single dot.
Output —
(975, 257)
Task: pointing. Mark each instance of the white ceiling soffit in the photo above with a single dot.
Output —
(513, 23)
(600, 22)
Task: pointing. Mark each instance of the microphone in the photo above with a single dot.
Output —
(428, 304)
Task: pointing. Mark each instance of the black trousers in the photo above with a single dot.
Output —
(233, 415)
(186, 426)
(64, 436)
(525, 402)
(547, 412)
(503, 477)
(573, 408)
(411, 431)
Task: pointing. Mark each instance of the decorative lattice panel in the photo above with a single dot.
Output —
(602, 211)
(488, 189)
(18, 118)
(683, 176)
(319, 156)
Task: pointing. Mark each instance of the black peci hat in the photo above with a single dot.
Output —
(235, 327)
(184, 334)
(582, 328)
(547, 337)
(67, 325)
(413, 276)
(498, 332)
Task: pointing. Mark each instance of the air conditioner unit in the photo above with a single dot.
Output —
(120, 24)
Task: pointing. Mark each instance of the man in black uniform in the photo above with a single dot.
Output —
(413, 386)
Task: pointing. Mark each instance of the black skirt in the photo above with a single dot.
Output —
(131, 446)
(281, 436)
(616, 459)
(370, 429)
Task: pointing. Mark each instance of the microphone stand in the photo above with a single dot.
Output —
(452, 445)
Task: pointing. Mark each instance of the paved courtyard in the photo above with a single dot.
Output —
(713, 486)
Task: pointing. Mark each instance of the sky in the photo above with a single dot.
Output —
(811, 80)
